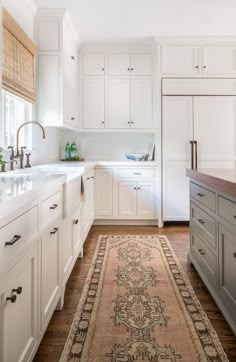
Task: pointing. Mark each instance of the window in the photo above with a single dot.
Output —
(15, 112)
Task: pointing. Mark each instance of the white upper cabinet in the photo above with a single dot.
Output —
(130, 64)
(180, 60)
(93, 64)
(93, 103)
(119, 103)
(57, 69)
(198, 60)
(219, 59)
(119, 64)
(141, 64)
(141, 103)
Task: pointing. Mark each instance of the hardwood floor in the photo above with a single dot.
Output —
(55, 337)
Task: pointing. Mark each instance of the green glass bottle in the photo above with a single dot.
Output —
(67, 151)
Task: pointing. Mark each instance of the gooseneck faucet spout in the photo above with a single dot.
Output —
(18, 132)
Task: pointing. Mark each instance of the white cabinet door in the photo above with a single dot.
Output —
(214, 130)
(93, 103)
(93, 64)
(76, 232)
(127, 199)
(91, 199)
(141, 103)
(49, 108)
(180, 60)
(119, 64)
(146, 199)
(71, 88)
(219, 60)
(177, 132)
(141, 64)
(103, 192)
(86, 209)
(50, 273)
(119, 103)
(67, 247)
(18, 327)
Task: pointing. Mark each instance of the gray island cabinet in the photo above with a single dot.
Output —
(213, 234)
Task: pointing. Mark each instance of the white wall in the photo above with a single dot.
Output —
(46, 150)
(107, 146)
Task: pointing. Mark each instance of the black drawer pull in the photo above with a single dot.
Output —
(235, 216)
(75, 221)
(53, 207)
(234, 254)
(201, 221)
(13, 241)
(201, 252)
(139, 188)
(135, 188)
(17, 290)
(88, 178)
(12, 298)
(54, 231)
(200, 194)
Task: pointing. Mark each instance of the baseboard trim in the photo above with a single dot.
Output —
(176, 223)
(110, 222)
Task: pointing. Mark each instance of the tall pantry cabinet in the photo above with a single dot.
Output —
(207, 120)
(57, 69)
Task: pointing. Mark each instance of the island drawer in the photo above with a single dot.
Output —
(227, 210)
(205, 258)
(15, 235)
(136, 173)
(205, 224)
(203, 195)
(51, 209)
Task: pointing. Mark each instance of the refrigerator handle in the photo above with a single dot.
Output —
(192, 158)
(195, 143)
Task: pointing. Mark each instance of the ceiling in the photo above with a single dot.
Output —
(119, 20)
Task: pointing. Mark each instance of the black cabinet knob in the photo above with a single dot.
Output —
(17, 290)
(12, 298)
(75, 221)
(54, 206)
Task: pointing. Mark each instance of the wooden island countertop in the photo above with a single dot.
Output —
(221, 179)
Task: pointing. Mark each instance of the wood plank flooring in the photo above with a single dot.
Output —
(55, 337)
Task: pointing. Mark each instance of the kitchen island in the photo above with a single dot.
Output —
(213, 234)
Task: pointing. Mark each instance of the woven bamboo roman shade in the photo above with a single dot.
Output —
(18, 60)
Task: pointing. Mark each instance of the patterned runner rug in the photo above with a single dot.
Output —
(137, 305)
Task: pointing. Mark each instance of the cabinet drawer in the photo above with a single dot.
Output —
(204, 223)
(51, 209)
(205, 258)
(17, 233)
(136, 173)
(227, 210)
(204, 196)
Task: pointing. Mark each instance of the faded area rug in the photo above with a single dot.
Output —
(137, 305)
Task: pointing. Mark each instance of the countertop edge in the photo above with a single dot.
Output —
(215, 182)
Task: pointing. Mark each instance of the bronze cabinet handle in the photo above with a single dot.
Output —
(53, 207)
(75, 221)
(201, 252)
(54, 231)
(234, 254)
(191, 143)
(13, 240)
(195, 143)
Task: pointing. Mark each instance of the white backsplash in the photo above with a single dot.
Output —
(107, 146)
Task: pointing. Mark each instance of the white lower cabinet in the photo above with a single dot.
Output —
(127, 199)
(103, 192)
(50, 272)
(18, 309)
(88, 204)
(137, 199)
(76, 232)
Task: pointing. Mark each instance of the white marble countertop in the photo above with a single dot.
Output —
(19, 187)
